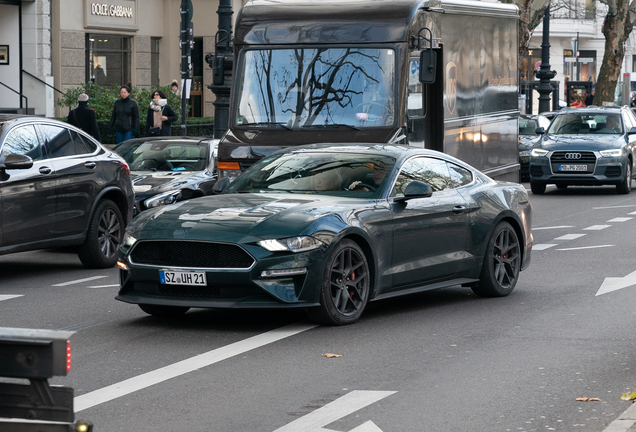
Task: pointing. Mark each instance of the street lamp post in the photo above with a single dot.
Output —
(544, 73)
(221, 64)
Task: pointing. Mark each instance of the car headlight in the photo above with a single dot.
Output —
(611, 153)
(539, 152)
(129, 240)
(165, 198)
(292, 244)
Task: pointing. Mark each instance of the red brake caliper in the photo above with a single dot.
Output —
(353, 277)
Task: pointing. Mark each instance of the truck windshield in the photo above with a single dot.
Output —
(317, 88)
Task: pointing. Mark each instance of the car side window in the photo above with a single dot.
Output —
(459, 176)
(629, 121)
(433, 172)
(82, 144)
(60, 143)
(23, 140)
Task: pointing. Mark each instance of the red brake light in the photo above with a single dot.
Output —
(125, 167)
(68, 356)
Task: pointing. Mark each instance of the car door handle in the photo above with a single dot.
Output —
(90, 165)
(45, 170)
(459, 209)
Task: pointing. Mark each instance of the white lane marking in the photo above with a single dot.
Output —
(586, 247)
(613, 207)
(632, 213)
(570, 236)
(341, 407)
(104, 286)
(10, 296)
(553, 227)
(596, 227)
(79, 281)
(157, 376)
(619, 219)
(615, 283)
(543, 246)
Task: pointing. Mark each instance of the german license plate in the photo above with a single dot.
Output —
(182, 278)
(572, 167)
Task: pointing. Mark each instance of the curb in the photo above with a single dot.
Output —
(624, 422)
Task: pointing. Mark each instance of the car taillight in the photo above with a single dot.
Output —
(68, 356)
(125, 167)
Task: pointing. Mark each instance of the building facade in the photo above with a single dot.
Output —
(54, 45)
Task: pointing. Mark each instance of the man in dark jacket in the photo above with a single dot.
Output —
(84, 118)
(125, 117)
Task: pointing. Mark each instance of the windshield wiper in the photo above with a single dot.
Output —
(332, 125)
(283, 124)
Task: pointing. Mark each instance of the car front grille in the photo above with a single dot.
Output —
(178, 253)
(573, 157)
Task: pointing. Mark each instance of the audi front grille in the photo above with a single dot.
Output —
(193, 254)
(573, 157)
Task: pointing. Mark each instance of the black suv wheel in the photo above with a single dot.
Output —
(104, 236)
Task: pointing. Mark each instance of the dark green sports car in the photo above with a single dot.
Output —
(329, 228)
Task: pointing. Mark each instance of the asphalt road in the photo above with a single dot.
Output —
(443, 360)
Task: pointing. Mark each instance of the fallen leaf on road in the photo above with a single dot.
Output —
(329, 355)
(629, 396)
(586, 399)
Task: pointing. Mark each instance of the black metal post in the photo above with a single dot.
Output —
(544, 73)
(221, 62)
(186, 41)
(578, 65)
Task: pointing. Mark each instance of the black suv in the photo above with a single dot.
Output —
(60, 187)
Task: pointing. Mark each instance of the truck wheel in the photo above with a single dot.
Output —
(103, 238)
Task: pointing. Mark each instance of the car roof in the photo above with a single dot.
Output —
(592, 109)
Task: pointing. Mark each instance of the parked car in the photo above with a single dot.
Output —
(586, 146)
(329, 228)
(169, 169)
(528, 136)
(60, 187)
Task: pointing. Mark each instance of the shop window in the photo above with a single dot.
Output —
(154, 62)
(108, 59)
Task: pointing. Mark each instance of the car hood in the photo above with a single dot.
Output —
(149, 183)
(527, 141)
(245, 217)
(581, 142)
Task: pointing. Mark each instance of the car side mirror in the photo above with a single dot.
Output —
(539, 131)
(632, 131)
(16, 161)
(220, 186)
(416, 189)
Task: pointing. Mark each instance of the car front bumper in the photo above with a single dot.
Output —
(605, 171)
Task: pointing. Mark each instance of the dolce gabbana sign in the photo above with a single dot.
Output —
(111, 14)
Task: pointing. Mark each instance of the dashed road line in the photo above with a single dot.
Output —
(544, 246)
(79, 281)
(585, 247)
(10, 296)
(104, 286)
(596, 227)
(569, 237)
(613, 207)
(553, 227)
(157, 376)
(620, 219)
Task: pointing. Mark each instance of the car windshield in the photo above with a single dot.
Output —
(582, 124)
(165, 155)
(338, 174)
(319, 88)
(527, 126)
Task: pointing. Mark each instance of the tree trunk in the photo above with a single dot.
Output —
(616, 29)
(530, 15)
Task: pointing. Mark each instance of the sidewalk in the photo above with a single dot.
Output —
(626, 422)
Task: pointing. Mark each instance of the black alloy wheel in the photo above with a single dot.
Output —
(104, 236)
(502, 263)
(163, 311)
(625, 186)
(345, 286)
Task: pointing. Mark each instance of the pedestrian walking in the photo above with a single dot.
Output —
(589, 99)
(160, 116)
(84, 118)
(175, 88)
(125, 117)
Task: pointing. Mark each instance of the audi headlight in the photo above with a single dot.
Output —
(539, 152)
(292, 244)
(611, 153)
(165, 198)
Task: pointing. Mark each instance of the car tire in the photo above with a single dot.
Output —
(625, 186)
(344, 290)
(502, 263)
(537, 188)
(163, 311)
(104, 236)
